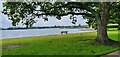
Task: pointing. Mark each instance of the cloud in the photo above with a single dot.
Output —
(65, 21)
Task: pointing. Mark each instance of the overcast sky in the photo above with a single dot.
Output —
(5, 23)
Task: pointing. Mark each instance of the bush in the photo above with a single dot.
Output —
(112, 26)
(112, 29)
(84, 26)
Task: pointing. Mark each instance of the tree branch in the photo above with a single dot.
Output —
(70, 4)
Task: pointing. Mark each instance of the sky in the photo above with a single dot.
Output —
(65, 21)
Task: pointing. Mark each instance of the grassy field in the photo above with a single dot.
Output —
(114, 35)
(70, 44)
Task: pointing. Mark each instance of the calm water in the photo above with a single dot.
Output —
(36, 32)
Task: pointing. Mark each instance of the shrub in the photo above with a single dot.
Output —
(84, 26)
(112, 26)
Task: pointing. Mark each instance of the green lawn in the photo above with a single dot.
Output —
(114, 35)
(70, 44)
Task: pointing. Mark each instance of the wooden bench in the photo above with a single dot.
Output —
(66, 32)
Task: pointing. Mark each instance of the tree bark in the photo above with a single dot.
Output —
(102, 20)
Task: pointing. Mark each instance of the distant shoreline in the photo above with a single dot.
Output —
(46, 27)
(38, 28)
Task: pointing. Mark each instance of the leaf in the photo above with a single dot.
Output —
(58, 17)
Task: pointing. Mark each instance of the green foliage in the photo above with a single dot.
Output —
(84, 26)
(115, 13)
(112, 25)
(57, 9)
(18, 11)
(112, 29)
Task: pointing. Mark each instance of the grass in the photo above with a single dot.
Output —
(70, 44)
(114, 35)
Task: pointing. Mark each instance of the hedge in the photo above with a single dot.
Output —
(112, 26)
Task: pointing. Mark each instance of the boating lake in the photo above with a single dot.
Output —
(4, 34)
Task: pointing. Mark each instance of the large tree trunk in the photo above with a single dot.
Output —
(102, 20)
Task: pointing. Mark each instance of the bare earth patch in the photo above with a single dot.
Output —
(12, 46)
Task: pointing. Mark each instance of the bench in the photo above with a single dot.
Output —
(66, 32)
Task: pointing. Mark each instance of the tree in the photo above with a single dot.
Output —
(79, 25)
(99, 11)
(115, 14)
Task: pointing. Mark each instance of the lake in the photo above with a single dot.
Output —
(4, 34)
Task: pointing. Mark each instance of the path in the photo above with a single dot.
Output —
(113, 54)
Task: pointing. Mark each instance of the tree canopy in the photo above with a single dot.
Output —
(45, 9)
